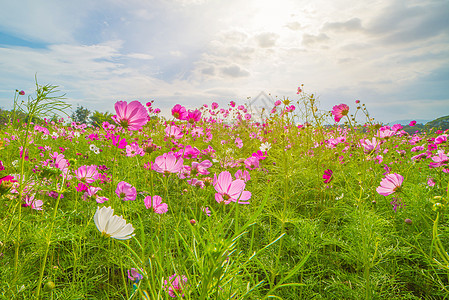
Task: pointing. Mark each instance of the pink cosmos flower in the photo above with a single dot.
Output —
(439, 160)
(179, 112)
(277, 103)
(430, 182)
(327, 176)
(126, 191)
(197, 183)
(200, 168)
(173, 132)
(156, 204)
(35, 204)
(87, 174)
(370, 146)
(259, 154)
(252, 163)
(134, 149)
(385, 134)
(175, 285)
(239, 142)
(243, 175)
(119, 143)
(194, 116)
(229, 190)
(441, 139)
(190, 152)
(412, 123)
(134, 275)
(206, 210)
(390, 184)
(339, 111)
(167, 163)
(90, 192)
(132, 116)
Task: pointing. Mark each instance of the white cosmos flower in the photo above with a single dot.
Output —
(111, 225)
(265, 147)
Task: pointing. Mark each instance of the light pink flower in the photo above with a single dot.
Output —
(197, 183)
(173, 132)
(370, 146)
(90, 192)
(243, 175)
(156, 204)
(134, 149)
(167, 163)
(339, 111)
(132, 116)
(126, 191)
(239, 142)
(206, 210)
(390, 184)
(439, 160)
(35, 204)
(229, 190)
(252, 163)
(87, 174)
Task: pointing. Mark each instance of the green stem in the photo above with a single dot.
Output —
(41, 273)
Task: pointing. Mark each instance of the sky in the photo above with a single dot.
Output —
(392, 55)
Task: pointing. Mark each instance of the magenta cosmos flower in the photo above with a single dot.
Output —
(390, 184)
(126, 191)
(179, 112)
(229, 190)
(132, 116)
(156, 204)
(167, 163)
(327, 176)
(193, 116)
(339, 111)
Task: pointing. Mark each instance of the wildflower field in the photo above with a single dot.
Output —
(220, 203)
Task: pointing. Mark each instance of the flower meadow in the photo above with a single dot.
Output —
(220, 202)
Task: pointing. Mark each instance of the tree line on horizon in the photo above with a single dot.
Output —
(96, 118)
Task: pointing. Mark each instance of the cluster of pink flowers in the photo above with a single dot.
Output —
(181, 113)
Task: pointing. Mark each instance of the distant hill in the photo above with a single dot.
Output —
(440, 123)
(406, 122)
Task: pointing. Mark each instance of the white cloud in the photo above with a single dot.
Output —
(203, 50)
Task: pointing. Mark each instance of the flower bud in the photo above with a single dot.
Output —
(49, 285)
